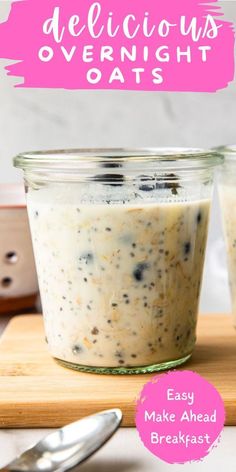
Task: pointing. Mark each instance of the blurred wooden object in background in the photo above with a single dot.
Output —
(18, 279)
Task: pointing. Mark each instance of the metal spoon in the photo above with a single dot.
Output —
(67, 447)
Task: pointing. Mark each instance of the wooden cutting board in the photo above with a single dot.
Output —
(36, 392)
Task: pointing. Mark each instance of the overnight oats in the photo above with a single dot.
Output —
(227, 193)
(119, 239)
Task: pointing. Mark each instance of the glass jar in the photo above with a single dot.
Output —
(119, 239)
(227, 193)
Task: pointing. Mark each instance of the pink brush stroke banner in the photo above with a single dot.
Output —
(152, 45)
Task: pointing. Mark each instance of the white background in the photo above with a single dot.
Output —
(40, 119)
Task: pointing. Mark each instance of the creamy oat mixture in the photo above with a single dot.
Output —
(119, 283)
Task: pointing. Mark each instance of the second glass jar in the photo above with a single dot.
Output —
(227, 192)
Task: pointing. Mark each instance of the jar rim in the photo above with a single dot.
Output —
(228, 151)
(191, 157)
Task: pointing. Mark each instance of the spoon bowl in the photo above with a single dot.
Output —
(67, 447)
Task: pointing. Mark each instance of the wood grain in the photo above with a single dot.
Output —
(36, 392)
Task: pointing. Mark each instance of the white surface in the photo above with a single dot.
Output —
(126, 453)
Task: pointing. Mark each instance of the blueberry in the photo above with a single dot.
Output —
(138, 272)
(169, 182)
(148, 186)
(110, 179)
(111, 165)
(87, 257)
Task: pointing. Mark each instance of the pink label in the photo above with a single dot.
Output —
(180, 416)
(156, 45)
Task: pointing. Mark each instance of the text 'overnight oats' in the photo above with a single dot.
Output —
(119, 283)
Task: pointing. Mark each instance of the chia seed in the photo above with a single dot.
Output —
(199, 217)
(77, 349)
